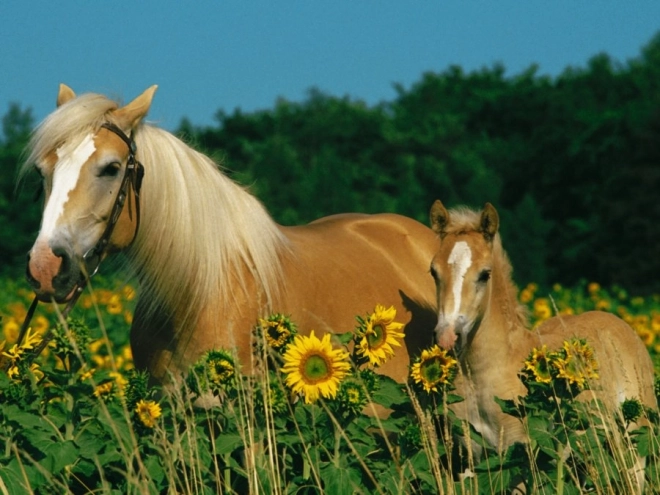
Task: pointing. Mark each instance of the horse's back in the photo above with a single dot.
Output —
(625, 366)
(343, 265)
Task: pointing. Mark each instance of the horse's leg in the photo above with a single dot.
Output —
(152, 342)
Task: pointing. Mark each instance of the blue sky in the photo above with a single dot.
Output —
(211, 55)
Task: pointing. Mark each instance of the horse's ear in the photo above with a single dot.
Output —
(439, 218)
(65, 94)
(129, 116)
(490, 222)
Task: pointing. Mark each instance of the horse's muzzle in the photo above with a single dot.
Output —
(447, 333)
(52, 274)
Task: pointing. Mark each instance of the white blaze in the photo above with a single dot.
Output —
(459, 260)
(65, 177)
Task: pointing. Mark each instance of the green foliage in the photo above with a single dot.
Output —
(75, 425)
(19, 212)
(570, 162)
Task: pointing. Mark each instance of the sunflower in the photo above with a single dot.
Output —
(538, 363)
(526, 295)
(378, 334)
(11, 329)
(147, 412)
(216, 371)
(128, 292)
(41, 324)
(655, 323)
(314, 368)
(576, 363)
(114, 306)
(14, 371)
(278, 330)
(31, 340)
(632, 409)
(15, 353)
(272, 397)
(434, 367)
(104, 390)
(352, 397)
(542, 310)
(220, 368)
(646, 335)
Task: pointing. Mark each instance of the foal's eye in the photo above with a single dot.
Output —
(110, 170)
(484, 276)
(434, 273)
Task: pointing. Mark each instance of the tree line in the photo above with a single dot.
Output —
(571, 162)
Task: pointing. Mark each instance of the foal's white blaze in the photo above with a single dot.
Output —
(460, 261)
(65, 177)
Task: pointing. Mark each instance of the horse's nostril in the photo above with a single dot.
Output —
(28, 274)
(66, 259)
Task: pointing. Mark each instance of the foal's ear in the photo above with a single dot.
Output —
(129, 116)
(65, 94)
(439, 218)
(490, 222)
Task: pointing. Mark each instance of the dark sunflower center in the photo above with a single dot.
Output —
(542, 367)
(432, 370)
(573, 366)
(278, 334)
(376, 337)
(315, 368)
(221, 370)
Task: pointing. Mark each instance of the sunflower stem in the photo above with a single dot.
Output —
(560, 474)
(227, 480)
(337, 443)
(306, 469)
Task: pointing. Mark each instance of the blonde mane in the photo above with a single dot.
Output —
(196, 223)
(70, 122)
(465, 220)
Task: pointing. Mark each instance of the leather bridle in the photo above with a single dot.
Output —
(133, 174)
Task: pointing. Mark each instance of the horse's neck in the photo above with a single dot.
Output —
(201, 235)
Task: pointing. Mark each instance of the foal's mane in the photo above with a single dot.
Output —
(200, 232)
(464, 220)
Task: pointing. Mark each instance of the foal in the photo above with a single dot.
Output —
(479, 317)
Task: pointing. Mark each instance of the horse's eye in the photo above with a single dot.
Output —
(434, 273)
(484, 276)
(110, 170)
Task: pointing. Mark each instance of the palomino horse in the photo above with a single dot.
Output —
(479, 316)
(208, 257)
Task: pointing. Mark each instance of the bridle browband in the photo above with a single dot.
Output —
(133, 174)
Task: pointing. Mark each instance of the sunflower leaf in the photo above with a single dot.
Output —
(389, 393)
(344, 338)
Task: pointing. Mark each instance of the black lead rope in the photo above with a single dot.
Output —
(133, 175)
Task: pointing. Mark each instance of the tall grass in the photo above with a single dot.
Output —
(72, 425)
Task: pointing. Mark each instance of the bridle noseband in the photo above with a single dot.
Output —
(133, 175)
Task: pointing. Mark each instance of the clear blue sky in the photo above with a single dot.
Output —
(210, 55)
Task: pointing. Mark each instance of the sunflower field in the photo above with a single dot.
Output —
(79, 418)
